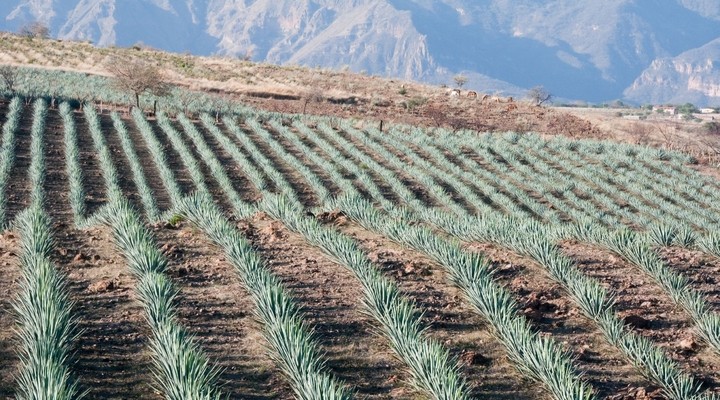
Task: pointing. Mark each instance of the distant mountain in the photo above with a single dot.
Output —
(578, 49)
(693, 76)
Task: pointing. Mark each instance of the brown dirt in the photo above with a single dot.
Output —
(548, 307)
(113, 361)
(18, 188)
(449, 318)
(702, 269)
(93, 180)
(10, 266)
(215, 307)
(329, 296)
(649, 311)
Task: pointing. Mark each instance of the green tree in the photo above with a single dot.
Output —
(687, 108)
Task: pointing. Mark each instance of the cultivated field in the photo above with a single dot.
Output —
(258, 255)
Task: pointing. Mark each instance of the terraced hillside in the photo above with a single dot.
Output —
(256, 255)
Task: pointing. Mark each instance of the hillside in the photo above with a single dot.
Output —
(578, 49)
(293, 89)
(261, 255)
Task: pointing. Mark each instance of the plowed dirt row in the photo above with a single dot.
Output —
(449, 318)
(149, 168)
(216, 308)
(112, 354)
(330, 297)
(649, 311)
(18, 188)
(10, 267)
(549, 308)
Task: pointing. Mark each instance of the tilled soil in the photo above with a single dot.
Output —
(551, 311)
(9, 278)
(330, 297)
(113, 361)
(112, 358)
(215, 307)
(649, 311)
(449, 318)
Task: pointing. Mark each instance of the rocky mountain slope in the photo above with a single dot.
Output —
(578, 49)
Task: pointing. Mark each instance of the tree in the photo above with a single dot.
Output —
(687, 109)
(138, 77)
(35, 30)
(460, 80)
(539, 95)
(8, 77)
(712, 128)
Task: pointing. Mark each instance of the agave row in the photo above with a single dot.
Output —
(107, 166)
(534, 240)
(158, 153)
(181, 368)
(257, 177)
(289, 338)
(434, 372)
(37, 155)
(281, 183)
(46, 326)
(7, 151)
(185, 153)
(216, 168)
(633, 248)
(72, 165)
(295, 163)
(537, 357)
(146, 195)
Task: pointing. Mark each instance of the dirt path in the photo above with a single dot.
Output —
(548, 307)
(649, 310)
(330, 295)
(93, 180)
(57, 204)
(18, 187)
(9, 276)
(448, 317)
(215, 308)
(113, 361)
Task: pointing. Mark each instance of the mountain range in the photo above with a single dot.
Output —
(639, 51)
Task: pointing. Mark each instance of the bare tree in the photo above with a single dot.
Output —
(35, 30)
(311, 95)
(539, 95)
(138, 77)
(8, 77)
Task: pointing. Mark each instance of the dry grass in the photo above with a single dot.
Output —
(295, 89)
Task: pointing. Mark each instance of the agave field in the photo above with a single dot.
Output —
(254, 255)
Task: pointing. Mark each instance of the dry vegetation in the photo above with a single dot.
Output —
(294, 89)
